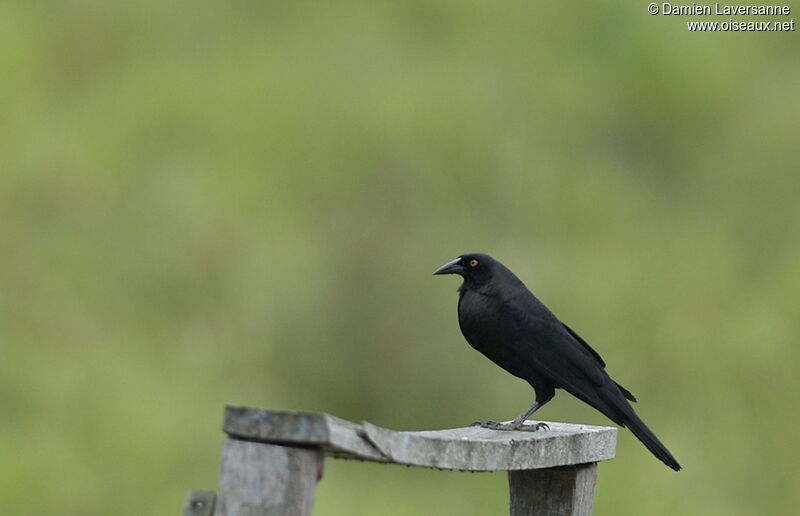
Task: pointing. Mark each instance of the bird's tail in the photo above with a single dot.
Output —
(644, 434)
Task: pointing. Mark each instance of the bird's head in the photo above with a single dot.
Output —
(473, 267)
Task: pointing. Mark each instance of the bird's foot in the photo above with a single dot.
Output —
(519, 426)
(492, 425)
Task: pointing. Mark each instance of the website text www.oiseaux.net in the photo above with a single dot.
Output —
(732, 26)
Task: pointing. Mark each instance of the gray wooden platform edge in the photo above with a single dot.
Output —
(272, 460)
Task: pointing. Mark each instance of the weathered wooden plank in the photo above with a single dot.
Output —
(563, 491)
(468, 448)
(300, 429)
(199, 503)
(259, 479)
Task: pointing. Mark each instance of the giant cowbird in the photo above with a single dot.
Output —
(502, 319)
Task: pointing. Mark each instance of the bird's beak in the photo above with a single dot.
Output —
(450, 268)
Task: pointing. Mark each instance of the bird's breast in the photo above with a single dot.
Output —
(489, 329)
(481, 319)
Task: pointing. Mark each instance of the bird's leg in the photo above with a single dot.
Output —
(518, 423)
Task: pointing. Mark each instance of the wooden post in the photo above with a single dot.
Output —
(565, 491)
(272, 460)
(259, 479)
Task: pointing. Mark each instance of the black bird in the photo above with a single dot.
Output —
(502, 319)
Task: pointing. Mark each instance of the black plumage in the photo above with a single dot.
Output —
(502, 319)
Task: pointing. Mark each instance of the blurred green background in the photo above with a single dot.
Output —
(204, 204)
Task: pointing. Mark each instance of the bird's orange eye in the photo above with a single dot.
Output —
(473, 263)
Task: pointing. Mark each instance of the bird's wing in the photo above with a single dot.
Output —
(625, 392)
(588, 348)
(559, 352)
(555, 354)
(552, 347)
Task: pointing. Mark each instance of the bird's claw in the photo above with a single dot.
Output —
(519, 427)
(533, 427)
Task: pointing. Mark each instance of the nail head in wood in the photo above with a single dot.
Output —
(199, 503)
